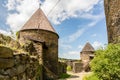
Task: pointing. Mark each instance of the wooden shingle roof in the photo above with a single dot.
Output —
(88, 47)
(38, 21)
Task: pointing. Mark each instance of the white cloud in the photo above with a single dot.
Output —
(68, 9)
(93, 35)
(92, 23)
(73, 52)
(76, 35)
(24, 9)
(64, 46)
(97, 45)
(64, 10)
(80, 47)
(4, 32)
(79, 32)
(95, 18)
(71, 55)
(73, 37)
(92, 16)
(11, 5)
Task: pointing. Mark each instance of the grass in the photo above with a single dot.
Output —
(92, 76)
(64, 76)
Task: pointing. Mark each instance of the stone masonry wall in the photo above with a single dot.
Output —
(85, 56)
(77, 67)
(112, 11)
(18, 66)
(50, 53)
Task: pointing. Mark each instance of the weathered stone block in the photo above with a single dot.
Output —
(6, 63)
(16, 70)
(5, 52)
(20, 69)
(12, 72)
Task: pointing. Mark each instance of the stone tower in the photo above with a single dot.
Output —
(112, 11)
(87, 53)
(40, 31)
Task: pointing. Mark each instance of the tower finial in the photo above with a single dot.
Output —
(39, 3)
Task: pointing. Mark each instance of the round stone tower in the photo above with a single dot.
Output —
(87, 52)
(39, 28)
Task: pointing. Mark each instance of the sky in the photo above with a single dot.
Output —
(76, 21)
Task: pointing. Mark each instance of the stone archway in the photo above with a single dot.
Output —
(112, 12)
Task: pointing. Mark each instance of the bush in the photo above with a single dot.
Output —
(69, 68)
(106, 63)
(90, 77)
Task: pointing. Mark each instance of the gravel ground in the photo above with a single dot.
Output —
(76, 76)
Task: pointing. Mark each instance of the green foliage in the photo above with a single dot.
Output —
(28, 46)
(64, 76)
(69, 68)
(90, 77)
(9, 42)
(17, 35)
(5, 39)
(39, 71)
(106, 64)
(65, 60)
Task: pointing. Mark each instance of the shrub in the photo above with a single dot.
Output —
(69, 68)
(106, 63)
(90, 77)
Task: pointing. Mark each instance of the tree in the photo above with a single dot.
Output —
(106, 64)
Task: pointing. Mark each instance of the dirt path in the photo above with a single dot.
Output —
(76, 76)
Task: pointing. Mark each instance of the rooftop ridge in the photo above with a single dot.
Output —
(88, 47)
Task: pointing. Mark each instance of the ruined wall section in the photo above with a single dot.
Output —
(21, 66)
(112, 11)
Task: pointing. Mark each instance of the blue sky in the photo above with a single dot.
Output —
(75, 21)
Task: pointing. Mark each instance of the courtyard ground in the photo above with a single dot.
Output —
(76, 76)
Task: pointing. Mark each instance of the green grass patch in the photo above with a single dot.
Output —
(64, 76)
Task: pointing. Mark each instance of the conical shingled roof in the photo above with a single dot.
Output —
(38, 21)
(88, 47)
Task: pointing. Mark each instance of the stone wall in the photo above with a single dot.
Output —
(62, 68)
(18, 66)
(81, 66)
(50, 52)
(77, 67)
(85, 56)
(112, 11)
